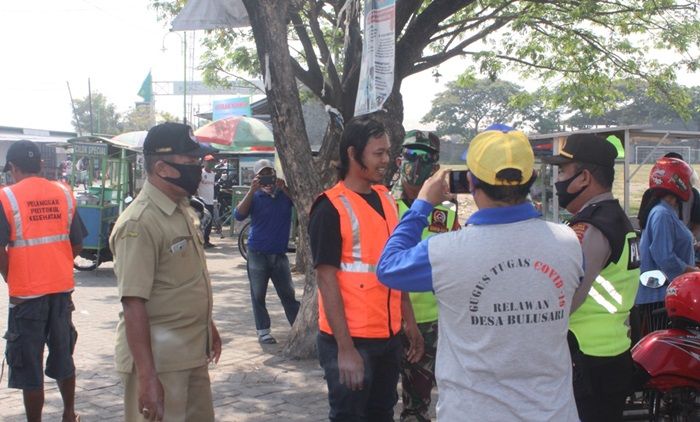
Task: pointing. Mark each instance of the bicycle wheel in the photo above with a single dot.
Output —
(243, 240)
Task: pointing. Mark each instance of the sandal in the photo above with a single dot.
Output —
(267, 339)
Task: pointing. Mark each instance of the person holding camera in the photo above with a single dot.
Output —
(270, 210)
(418, 161)
(503, 284)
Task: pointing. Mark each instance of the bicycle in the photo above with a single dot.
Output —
(243, 240)
(223, 212)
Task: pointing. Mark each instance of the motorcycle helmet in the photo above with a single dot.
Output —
(683, 297)
(672, 175)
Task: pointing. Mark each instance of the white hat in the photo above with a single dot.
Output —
(262, 164)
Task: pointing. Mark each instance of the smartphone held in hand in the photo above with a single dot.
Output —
(458, 181)
(267, 180)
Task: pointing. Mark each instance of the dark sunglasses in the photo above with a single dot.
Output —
(420, 155)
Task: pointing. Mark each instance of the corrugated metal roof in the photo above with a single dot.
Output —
(9, 133)
(635, 131)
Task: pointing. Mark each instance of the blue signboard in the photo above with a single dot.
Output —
(239, 106)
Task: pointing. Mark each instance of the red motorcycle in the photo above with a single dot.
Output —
(669, 360)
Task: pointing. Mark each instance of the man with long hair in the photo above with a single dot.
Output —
(359, 319)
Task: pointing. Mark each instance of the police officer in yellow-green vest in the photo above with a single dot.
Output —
(418, 161)
(599, 330)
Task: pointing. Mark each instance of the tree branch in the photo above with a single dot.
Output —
(326, 57)
(417, 35)
(404, 10)
(434, 60)
(309, 52)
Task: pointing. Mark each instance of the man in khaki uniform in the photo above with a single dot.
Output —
(166, 335)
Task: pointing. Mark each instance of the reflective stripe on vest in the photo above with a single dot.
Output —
(20, 241)
(372, 310)
(355, 223)
(358, 266)
(391, 199)
(600, 300)
(605, 284)
(601, 323)
(69, 203)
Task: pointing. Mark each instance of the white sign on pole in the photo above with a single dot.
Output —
(378, 49)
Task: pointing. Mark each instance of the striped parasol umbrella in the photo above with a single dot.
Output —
(237, 133)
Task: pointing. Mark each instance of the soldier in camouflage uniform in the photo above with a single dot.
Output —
(418, 161)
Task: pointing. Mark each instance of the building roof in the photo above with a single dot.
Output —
(636, 133)
(10, 133)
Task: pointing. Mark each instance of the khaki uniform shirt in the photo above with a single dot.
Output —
(159, 256)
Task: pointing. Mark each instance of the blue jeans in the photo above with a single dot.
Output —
(261, 268)
(376, 401)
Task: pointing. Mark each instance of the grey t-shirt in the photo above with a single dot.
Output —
(504, 293)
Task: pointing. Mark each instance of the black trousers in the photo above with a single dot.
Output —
(601, 384)
(376, 401)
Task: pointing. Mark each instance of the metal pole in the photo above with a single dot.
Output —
(92, 129)
(75, 113)
(184, 80)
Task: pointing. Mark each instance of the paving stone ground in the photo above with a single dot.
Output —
(250, 383)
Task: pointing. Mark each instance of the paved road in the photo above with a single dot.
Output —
(250, 383)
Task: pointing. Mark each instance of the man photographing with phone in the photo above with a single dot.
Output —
(418, 161)
(503, 285)
(270, 210)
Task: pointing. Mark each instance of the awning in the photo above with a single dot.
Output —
(211, 14)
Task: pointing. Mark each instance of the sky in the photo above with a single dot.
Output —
(46, 44)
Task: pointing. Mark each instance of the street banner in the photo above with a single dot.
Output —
(239, 106)
(378, 49)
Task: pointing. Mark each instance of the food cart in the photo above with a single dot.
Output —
(102, 178)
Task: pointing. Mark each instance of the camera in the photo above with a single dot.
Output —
(458, 181)
(267, 180)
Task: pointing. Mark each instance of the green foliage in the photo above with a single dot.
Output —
(585, 45)
(641, 103)
(579, 46)
(469, 105)
(138, 118)
(141, 118)
(105, 119)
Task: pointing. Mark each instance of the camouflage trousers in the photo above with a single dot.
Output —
(418, 379)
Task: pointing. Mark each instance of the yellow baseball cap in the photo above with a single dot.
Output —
(498, 148)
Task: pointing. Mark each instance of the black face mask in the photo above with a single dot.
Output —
(565, 197)
(190, 176)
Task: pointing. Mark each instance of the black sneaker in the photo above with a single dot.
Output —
(208, 245)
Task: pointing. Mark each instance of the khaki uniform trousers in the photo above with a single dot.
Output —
(187, 396)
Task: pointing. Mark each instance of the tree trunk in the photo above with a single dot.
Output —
(392, 119)
(268, 19)
(307, 179)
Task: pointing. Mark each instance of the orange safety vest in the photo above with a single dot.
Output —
(39, 213)
(372, 310)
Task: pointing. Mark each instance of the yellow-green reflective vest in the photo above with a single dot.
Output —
(601, 324)
(440, 220)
